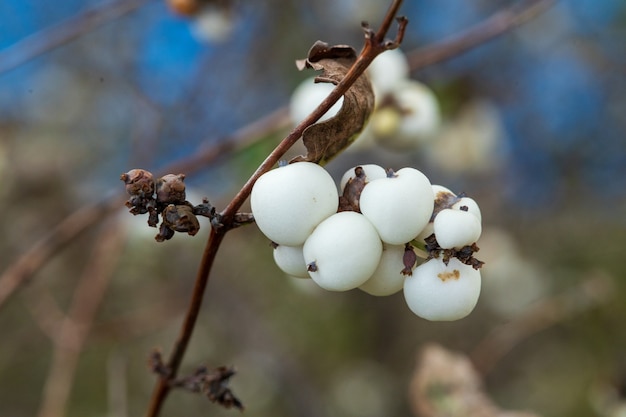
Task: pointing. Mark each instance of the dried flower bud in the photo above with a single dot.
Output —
(139, 182)
(165, 233)
(140, 187)
(170, 189)
(181, 219)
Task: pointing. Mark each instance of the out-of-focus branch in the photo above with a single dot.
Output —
(61, 235)
(64, 32)
(76, 223)
(74, 328)
(496, 25)
(590, 293)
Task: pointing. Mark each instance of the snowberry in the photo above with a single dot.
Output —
(387, 70)
(441, 292)
(343, 251)
(456, 228)
(441, 194)
(399, 205)
(290, 260)
(409, 116)
(388, 277)
(468, 204)
(307, 96)
(290, 201)
(372, 172)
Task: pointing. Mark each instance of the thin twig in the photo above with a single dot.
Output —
(74, 328)
(61, 235)
(54, 36)
(375, 45)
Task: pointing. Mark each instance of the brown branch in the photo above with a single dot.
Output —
(498, 24)
(74, 328)
(375, 44)
(173, 364)
(57, 35)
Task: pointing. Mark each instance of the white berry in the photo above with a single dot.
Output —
(468, 204)
(372, 172)
(388, 278)
(387, 70)
(290, 260)
(456, 228)
(440, 292)
(290, 201)
(399, 206)
(343, 251)
(440, 193)
(412, 118)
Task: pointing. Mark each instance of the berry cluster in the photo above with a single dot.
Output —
(370, 236)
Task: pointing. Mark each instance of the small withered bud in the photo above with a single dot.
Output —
(349, 200)
(139, 182)
(312, 267)
(140, 186)
(180, 218)
(165, 233)
(170, 189)
(408, 259)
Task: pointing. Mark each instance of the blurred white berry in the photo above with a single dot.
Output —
(343, 251)
(290, 201)
(399, 206)
(307, 96)
(388, 278)
(456, 228)
(441, 292)
(290, 260)
(388, 69)
(408, 116)
(471, 142)
(213, 23)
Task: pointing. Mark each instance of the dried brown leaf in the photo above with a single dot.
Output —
(326, 139)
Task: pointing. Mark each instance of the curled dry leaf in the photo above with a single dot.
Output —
(326, 139)
(446, 384)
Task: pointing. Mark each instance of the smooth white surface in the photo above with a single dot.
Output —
(288, 202)
(345, 249)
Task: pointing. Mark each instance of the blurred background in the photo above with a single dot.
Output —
(533, 128)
